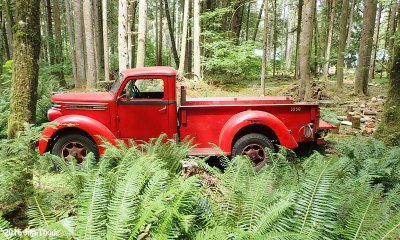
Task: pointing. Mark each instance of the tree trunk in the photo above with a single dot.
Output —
(68, 17)
(237, 18)
(105, 40)
(141, 52)
(392, 26)
(182, 57)
(80, 81)
(49, 22)
(25, 70)
(196, 39)
(58, 43)
(353, 6)
(89, 44)
(123, 35)
(132, 9)
(258, 21)
(376, 42)
(298, 35)
(329, 41)
(160, 34)
(265, 48)
(389, 128)
(275, 35)
(9, 24)
(98, 41)
(248, 20)
(364, 53)
(289, 42)
(305, 49)
(4, 41)
(2, 50)
(171, 33)
(342, 43)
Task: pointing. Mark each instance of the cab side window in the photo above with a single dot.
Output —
(145, 89)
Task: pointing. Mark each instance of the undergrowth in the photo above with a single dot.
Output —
(140, 193)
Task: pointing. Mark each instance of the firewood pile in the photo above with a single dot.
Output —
(361, 116)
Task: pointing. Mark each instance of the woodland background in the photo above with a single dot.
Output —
(344, 54)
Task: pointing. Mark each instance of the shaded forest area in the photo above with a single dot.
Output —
(344, 54)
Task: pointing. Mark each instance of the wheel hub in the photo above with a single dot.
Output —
(75, 149)
(255, 152)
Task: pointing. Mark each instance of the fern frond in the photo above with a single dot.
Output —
(314, 207)
(5, 230)
(39, 216)
(365, 213)
(388, 230)
(92, 213)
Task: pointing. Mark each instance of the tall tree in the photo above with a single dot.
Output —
(58, 56)
(91, 78)
(376, 42)
(141, 52)
(80, 80)
(9, 24)
(392, 25)
(185, 20)
(49, 25)
(364, 53)
(171, 33)
(160, 34)
(342, 43)
(105, 40)
(305, 49)
(123, 56)
(298, 34)
(258, 21)
(289, 40)
(274, 39)
(352, 9)
(265, 48)
(389, 128)
(26, 67)
(70, 31)
(329, 40)
(196, 39)
(237, 20)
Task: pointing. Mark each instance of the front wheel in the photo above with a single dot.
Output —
(254, 146)
(76, 146)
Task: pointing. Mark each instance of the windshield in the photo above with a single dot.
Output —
(117, 83)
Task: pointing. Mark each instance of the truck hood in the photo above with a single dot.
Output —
(98, 97)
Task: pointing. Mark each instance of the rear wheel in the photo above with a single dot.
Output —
(76, 146)
(254, 146)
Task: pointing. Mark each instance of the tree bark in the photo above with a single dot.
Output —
(98, 41)
(305, 49)
(160, 34)
(298, 35)
(389, 129)
(171, 33)
(329, 41)
(80, 80)
(364, 53)
(376, 42)
(196, 40)
(25, 70)
(265, 48)
(9, 24)
(342, 43)
(275, 35)
(289, 42)
(91, 78)
(58, 43)
(182, 57)
(70, 36)
(258, 21)
(123, 35)
(141, 52)
(353, 6)
(248, 20)
(392, 26)
(237, 19)
(105, 40)
(49, 25)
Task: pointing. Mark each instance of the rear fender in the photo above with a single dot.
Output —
(98, 131)
(250, 117)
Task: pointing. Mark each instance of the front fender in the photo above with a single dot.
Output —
(250, 117)
(98, 131)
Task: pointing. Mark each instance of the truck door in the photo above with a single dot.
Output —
(143, 109)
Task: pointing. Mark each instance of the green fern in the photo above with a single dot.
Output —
(5, 229)
(390, 229)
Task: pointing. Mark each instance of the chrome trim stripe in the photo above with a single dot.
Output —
(97, 107)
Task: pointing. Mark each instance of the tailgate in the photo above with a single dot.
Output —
(326, 126)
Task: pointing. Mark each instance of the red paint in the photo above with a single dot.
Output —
(212, 123)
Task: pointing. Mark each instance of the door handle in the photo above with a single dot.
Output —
(163, 109)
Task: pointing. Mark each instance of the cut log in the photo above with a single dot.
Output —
(356, 122)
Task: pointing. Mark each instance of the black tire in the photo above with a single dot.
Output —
(66, 144)
(253, 145)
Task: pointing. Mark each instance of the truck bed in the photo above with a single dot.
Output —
(202, 119)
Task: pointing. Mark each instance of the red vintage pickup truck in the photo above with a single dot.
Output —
(142, 105)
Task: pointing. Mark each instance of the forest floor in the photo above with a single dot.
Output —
(338, 106)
